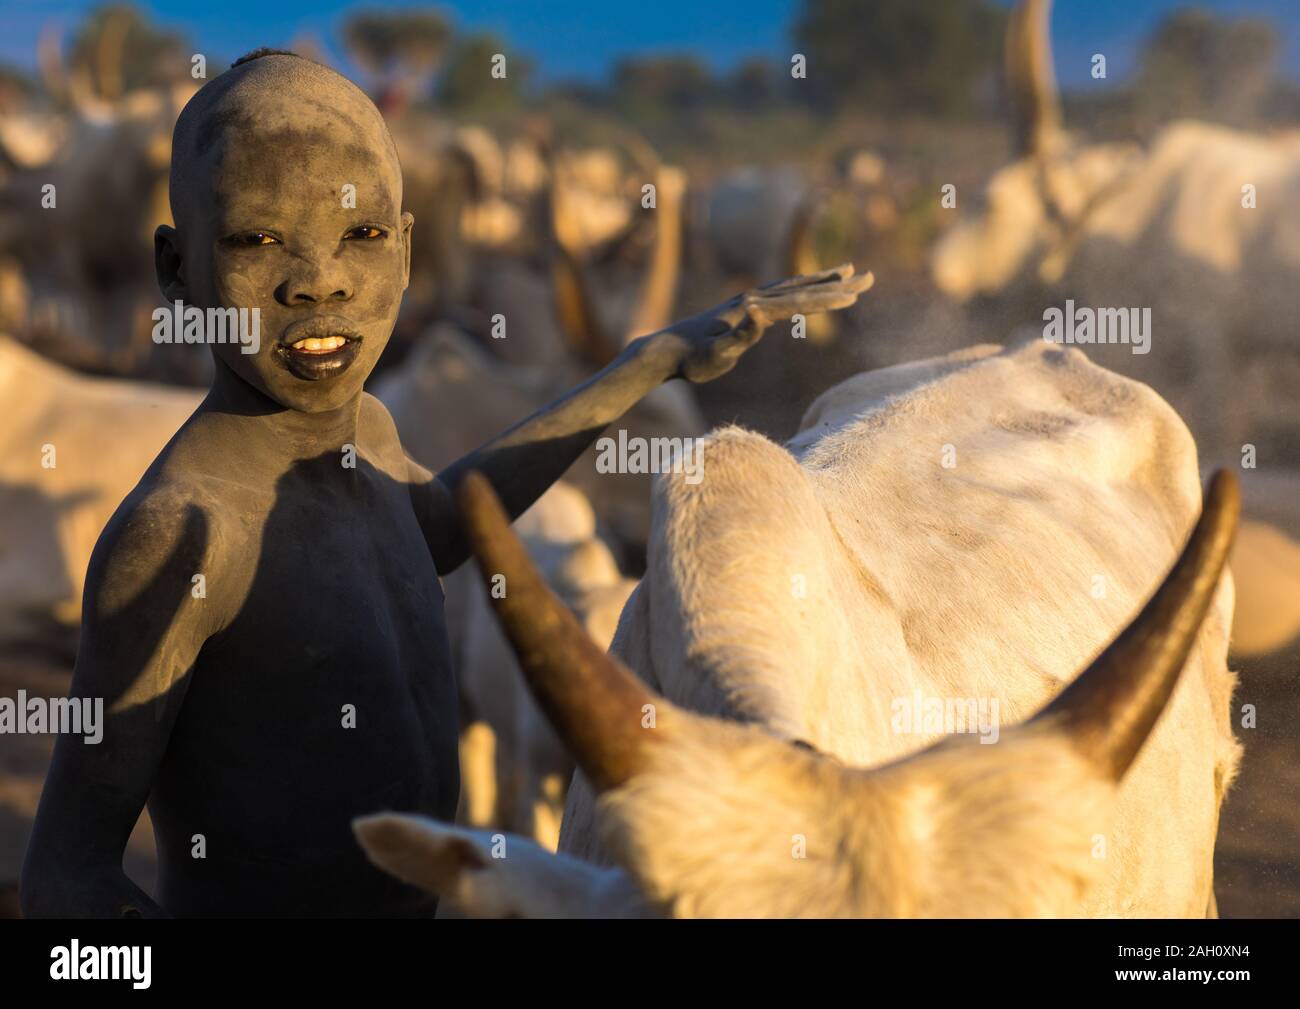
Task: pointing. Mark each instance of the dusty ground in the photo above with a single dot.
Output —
(1257, 863)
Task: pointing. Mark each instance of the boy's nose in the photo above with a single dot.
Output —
(312, 282)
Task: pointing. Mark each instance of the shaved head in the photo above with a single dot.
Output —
(269, 92)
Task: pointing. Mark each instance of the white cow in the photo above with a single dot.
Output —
(959, 532)
(71, 448)
(1195, 228)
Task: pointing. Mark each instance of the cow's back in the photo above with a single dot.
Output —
(976, 526)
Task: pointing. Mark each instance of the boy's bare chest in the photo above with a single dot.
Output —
(331, 689)
(343, 593)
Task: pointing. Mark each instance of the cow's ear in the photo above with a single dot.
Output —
(495, 875)
(431, 855)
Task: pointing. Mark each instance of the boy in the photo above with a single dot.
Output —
(308, 682)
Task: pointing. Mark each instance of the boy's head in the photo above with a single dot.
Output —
(287, 197)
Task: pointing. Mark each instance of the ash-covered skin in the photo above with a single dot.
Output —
(306, 681)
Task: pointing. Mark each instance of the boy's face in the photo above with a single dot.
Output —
(302, 220)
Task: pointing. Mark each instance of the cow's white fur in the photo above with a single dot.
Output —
(1164, 229)
(104, 433)
(491, 876)
(974, 581)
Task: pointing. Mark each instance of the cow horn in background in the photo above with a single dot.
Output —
(1031, 80)
(110, 54)
(1110, 709)
(658, 292)
(594, 702)
(584, 331)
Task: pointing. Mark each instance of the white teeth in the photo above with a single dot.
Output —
(320, 344)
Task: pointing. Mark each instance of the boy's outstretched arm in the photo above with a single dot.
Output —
(141, 633)
(524, 461)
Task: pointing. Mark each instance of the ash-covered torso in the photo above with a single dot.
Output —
(325, 693)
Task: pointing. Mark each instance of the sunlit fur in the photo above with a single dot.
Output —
(970, 581)
(729, 822)
(104, 433)
(1014, 233)
(1164, 229)
(974, 581)
(487, 875)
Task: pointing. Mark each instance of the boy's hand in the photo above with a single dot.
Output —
(707, 345)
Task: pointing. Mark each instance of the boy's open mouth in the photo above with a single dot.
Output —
(319, 348)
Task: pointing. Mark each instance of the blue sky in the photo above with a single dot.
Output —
(567, 39)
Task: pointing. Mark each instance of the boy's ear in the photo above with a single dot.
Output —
(167, 264)
(408, 219)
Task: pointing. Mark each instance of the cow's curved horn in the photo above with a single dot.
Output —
(594, 702)
(1031, 80)
(1110, 709)
(658, 291)
(110, 54)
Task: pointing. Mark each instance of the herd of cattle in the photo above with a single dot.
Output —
(975, 526)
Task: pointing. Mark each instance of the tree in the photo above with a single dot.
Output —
(757, 83)
(1196, 63)
(677, 83)
(401, 50)
(482, 78)
(899, 55)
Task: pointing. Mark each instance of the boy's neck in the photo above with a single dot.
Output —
(269, 427)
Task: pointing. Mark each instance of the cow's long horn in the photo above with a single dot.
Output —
(658, 291)
(110, 54)
(1031, 80)
(1110, 709)
(594, 702)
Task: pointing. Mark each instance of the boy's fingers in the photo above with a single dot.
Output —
(825, 299)
(826, 291)
(843, 272)
(854, 284)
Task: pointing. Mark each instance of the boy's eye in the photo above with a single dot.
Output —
(254, 238)
(365, 231)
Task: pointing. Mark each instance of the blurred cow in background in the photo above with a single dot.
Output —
(1197, 228)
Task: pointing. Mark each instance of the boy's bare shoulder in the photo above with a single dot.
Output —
(161, 536)
(381, 437)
